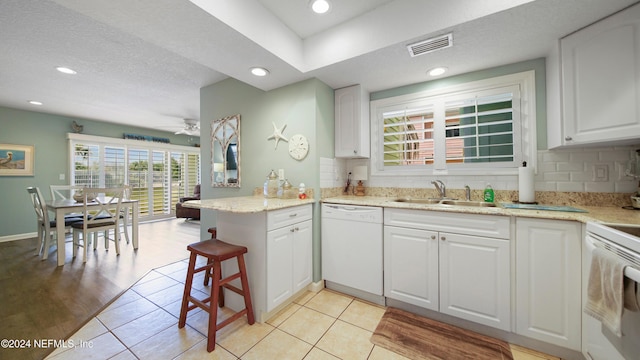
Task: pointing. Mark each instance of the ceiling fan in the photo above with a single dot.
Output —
(191, 127)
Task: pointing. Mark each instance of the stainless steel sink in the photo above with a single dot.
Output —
(418, 201)
(467, 203)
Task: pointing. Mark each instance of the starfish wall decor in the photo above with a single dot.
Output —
(277, 134)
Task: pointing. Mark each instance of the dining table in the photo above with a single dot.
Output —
(61, 207)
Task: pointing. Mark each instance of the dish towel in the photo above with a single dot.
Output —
(605, 298)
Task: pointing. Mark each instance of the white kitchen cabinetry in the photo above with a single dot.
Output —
(600, 83)
(279, 260)
(458, 264)
(289, 256)
(548, 282)
(352, 139)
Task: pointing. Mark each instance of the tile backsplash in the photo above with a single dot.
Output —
(597, 170)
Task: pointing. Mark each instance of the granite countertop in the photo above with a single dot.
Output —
(246, 204)
(604, 214)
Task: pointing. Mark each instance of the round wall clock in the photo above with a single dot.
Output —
(298, 146)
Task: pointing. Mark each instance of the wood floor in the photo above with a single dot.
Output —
(39, 300)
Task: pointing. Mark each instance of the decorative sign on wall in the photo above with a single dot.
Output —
(16, 160)
(145, 138)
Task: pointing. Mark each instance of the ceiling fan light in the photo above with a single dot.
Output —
(320, 6)
(258, 71)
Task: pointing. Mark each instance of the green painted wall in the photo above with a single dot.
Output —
(538, 65)
(305, 107)
(49, 135)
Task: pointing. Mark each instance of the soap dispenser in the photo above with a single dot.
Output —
(489, 195)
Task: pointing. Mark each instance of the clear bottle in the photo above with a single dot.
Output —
(271, 185)
(287, 189)
(489, 195)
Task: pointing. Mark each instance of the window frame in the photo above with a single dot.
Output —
(525, 146)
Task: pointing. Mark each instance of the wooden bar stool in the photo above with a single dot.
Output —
(216, 252)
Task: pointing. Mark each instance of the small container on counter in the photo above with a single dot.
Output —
(302, 191)
(271, 185)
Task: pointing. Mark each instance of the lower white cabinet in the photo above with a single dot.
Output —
(279, 260)
(289, 261)
(460, 274)
(548, 281)
(475, 279)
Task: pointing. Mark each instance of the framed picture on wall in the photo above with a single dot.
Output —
(16, 160)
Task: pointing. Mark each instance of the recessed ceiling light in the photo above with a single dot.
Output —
(437, 71)
(66, 70)
(258, 71)
(320, 6)
(33, 102)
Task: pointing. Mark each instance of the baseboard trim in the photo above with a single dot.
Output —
(18, 237)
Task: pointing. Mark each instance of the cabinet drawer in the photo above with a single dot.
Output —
(493, 226)
(279, 218)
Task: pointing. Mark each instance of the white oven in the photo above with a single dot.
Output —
(598, 342)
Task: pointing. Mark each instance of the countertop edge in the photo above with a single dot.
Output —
(602, 214)
(246, 204)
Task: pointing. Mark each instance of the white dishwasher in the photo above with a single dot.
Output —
(352, 250)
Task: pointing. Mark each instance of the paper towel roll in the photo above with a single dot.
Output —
(526, 189)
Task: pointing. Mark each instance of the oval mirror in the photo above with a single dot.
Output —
(225, 147)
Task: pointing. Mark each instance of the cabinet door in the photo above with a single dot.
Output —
(411, 266)
(548, 270)
(279, 258)
(352, 123)
(600, 80)
(475, 281)
(302, 255)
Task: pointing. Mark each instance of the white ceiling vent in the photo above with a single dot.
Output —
(430, 45)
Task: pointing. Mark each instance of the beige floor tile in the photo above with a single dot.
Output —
(330, 303)
(522, 353)
(152, 275)
(112, 318)
(307, 324)
(317, 354)
(380, 353)
(238, 337)
(168, 295)
(167, 344)
(346, 341)
(278, 345)
(149, 287)
(125, 355)
(89, 331)
(174, 267)
(364, 315)
(305, 297)
(283, 315)
(174, 309)
(104, 346)
(144, 327)
(129, 296)
(199, 351)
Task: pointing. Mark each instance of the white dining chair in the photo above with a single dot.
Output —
(100, 215)
(124, 213)
(62, 192)
(46, 227)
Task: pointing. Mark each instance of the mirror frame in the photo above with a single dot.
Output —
(229, 129)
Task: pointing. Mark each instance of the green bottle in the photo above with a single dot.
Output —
(488, 193)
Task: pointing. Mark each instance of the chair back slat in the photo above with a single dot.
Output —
(63, 192)
(39, 205)
(102, 206)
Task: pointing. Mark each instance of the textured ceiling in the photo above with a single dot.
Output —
(143, 62)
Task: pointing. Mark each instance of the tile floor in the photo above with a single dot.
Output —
(143, 324)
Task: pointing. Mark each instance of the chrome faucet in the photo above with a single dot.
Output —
(442, 189)
(467, 192)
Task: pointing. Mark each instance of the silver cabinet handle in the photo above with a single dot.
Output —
(292, 230)
(293, 215)
(568, 138)
(443, 238)
(433, 237)
(355, 151)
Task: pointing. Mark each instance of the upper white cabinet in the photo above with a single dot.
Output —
(548, 273)
(352, 139)
(599, 86)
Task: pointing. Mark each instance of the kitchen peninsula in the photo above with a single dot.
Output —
(278, 234)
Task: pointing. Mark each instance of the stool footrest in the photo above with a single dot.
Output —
(234, 289)
(229, 279)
